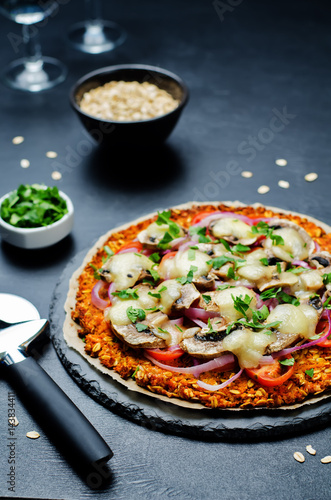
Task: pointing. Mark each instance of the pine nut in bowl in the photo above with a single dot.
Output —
(49, 220)
(131, 104)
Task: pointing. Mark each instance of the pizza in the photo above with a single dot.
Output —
(209, 305)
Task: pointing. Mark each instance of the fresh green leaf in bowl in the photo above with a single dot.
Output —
(33, 206)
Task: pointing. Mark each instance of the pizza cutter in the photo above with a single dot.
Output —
(56, 413)
(15, 309)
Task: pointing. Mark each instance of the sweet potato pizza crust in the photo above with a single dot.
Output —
(86, 330)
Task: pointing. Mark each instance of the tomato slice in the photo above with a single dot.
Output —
(135, 245)
(271, 375)
(167, 354)
(198, 217)
(322, 327)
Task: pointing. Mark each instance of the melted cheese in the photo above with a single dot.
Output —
(224, 301)
(292, 319)
(309, 281)
(180, 265)
(116, 313)
(294, 246)
(125, 268)
(253, 270)
(247, 345)
(232, 227)
(170, 295)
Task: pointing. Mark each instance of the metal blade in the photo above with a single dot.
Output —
(15, 309)
(18, 337)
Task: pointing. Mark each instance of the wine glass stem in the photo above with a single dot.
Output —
(31, 44)
(93, 10)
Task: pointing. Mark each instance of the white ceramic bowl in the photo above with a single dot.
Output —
(38, 237)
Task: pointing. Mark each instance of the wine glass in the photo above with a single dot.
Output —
(95, 35)
(32, 72)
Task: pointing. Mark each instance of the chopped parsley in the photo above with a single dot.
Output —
(263, 229)
(218, 262)
(191, 254)
(183, 280)
(109, 253)
(326, 278)
(126, 294)
(173, 231)
(277, 293)
(155, 275)
(178, 328)
(287, 362)
(135, 372)
(242, 304)
(230, 274)
(239, 248)
(155, 257)
(201, 232)
(206, 298)
(96, 271)
(310, 372)
(265, 262)
(33, 205)
(141, 327)
(135, 314)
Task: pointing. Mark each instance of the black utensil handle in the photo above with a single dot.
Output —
(56, 413)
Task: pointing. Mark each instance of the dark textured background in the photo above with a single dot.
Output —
(260, 57)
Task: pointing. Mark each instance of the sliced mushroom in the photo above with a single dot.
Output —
(233, 230)
(204, 283)
(188, 295)
(125, 269)
(320, 260)
(153, 234)
(298, 245)
(279, 280)
(203, 343)
(145, 339)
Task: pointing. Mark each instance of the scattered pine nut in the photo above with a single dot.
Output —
(299, 457)
(33, 435)
(326, 460)
(284, 184)
(263, 189)
(51, 154)
(247, 174)
(310, 450)
(281, 162)
(18, 139)
(56, 175)
(13, 421)
(311, 177)
(24, 163)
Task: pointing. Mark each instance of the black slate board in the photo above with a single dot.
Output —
(166, 417)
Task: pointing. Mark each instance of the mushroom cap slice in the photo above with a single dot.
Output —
(320, 260)
(233, 230)
(300, 246)
(145, 339)
(201, 343)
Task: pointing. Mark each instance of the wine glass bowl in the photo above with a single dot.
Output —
(147, 132)
(33, 72)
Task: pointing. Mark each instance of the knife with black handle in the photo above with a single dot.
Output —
(55, 412)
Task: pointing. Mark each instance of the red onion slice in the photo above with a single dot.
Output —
(223, 215)
(226, 361)
(301, 263)
(199, 313)
(213, 388)
(309, 344)
(177, 242)
(96, 299)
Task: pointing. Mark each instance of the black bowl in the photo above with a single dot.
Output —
(141, 133)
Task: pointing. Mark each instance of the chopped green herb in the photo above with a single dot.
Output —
(276, 239)
(279, 267)
(278, 293)
(206, 298)
(287, 362)
(155, 257)
(264, 261)
(164, 218)
(126, 294)
(164, 243)
(141, 327)
(162, 331)
(201, 232)
(242, 304)
(33, 205)
(135, 314)
(183, 280)
(156, 295)
(263, 228)
(154, 274)
(178, 328)
(326, 278)
(109, 253)
(218, 262)
(296, 270)
(135, 372)
(191, 254)
(224, 287)
(96, 271)
(310, 372)
(239, 248)
(230, 274)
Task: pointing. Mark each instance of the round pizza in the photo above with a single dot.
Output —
(209, 305)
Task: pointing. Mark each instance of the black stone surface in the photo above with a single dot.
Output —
(243, 68)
